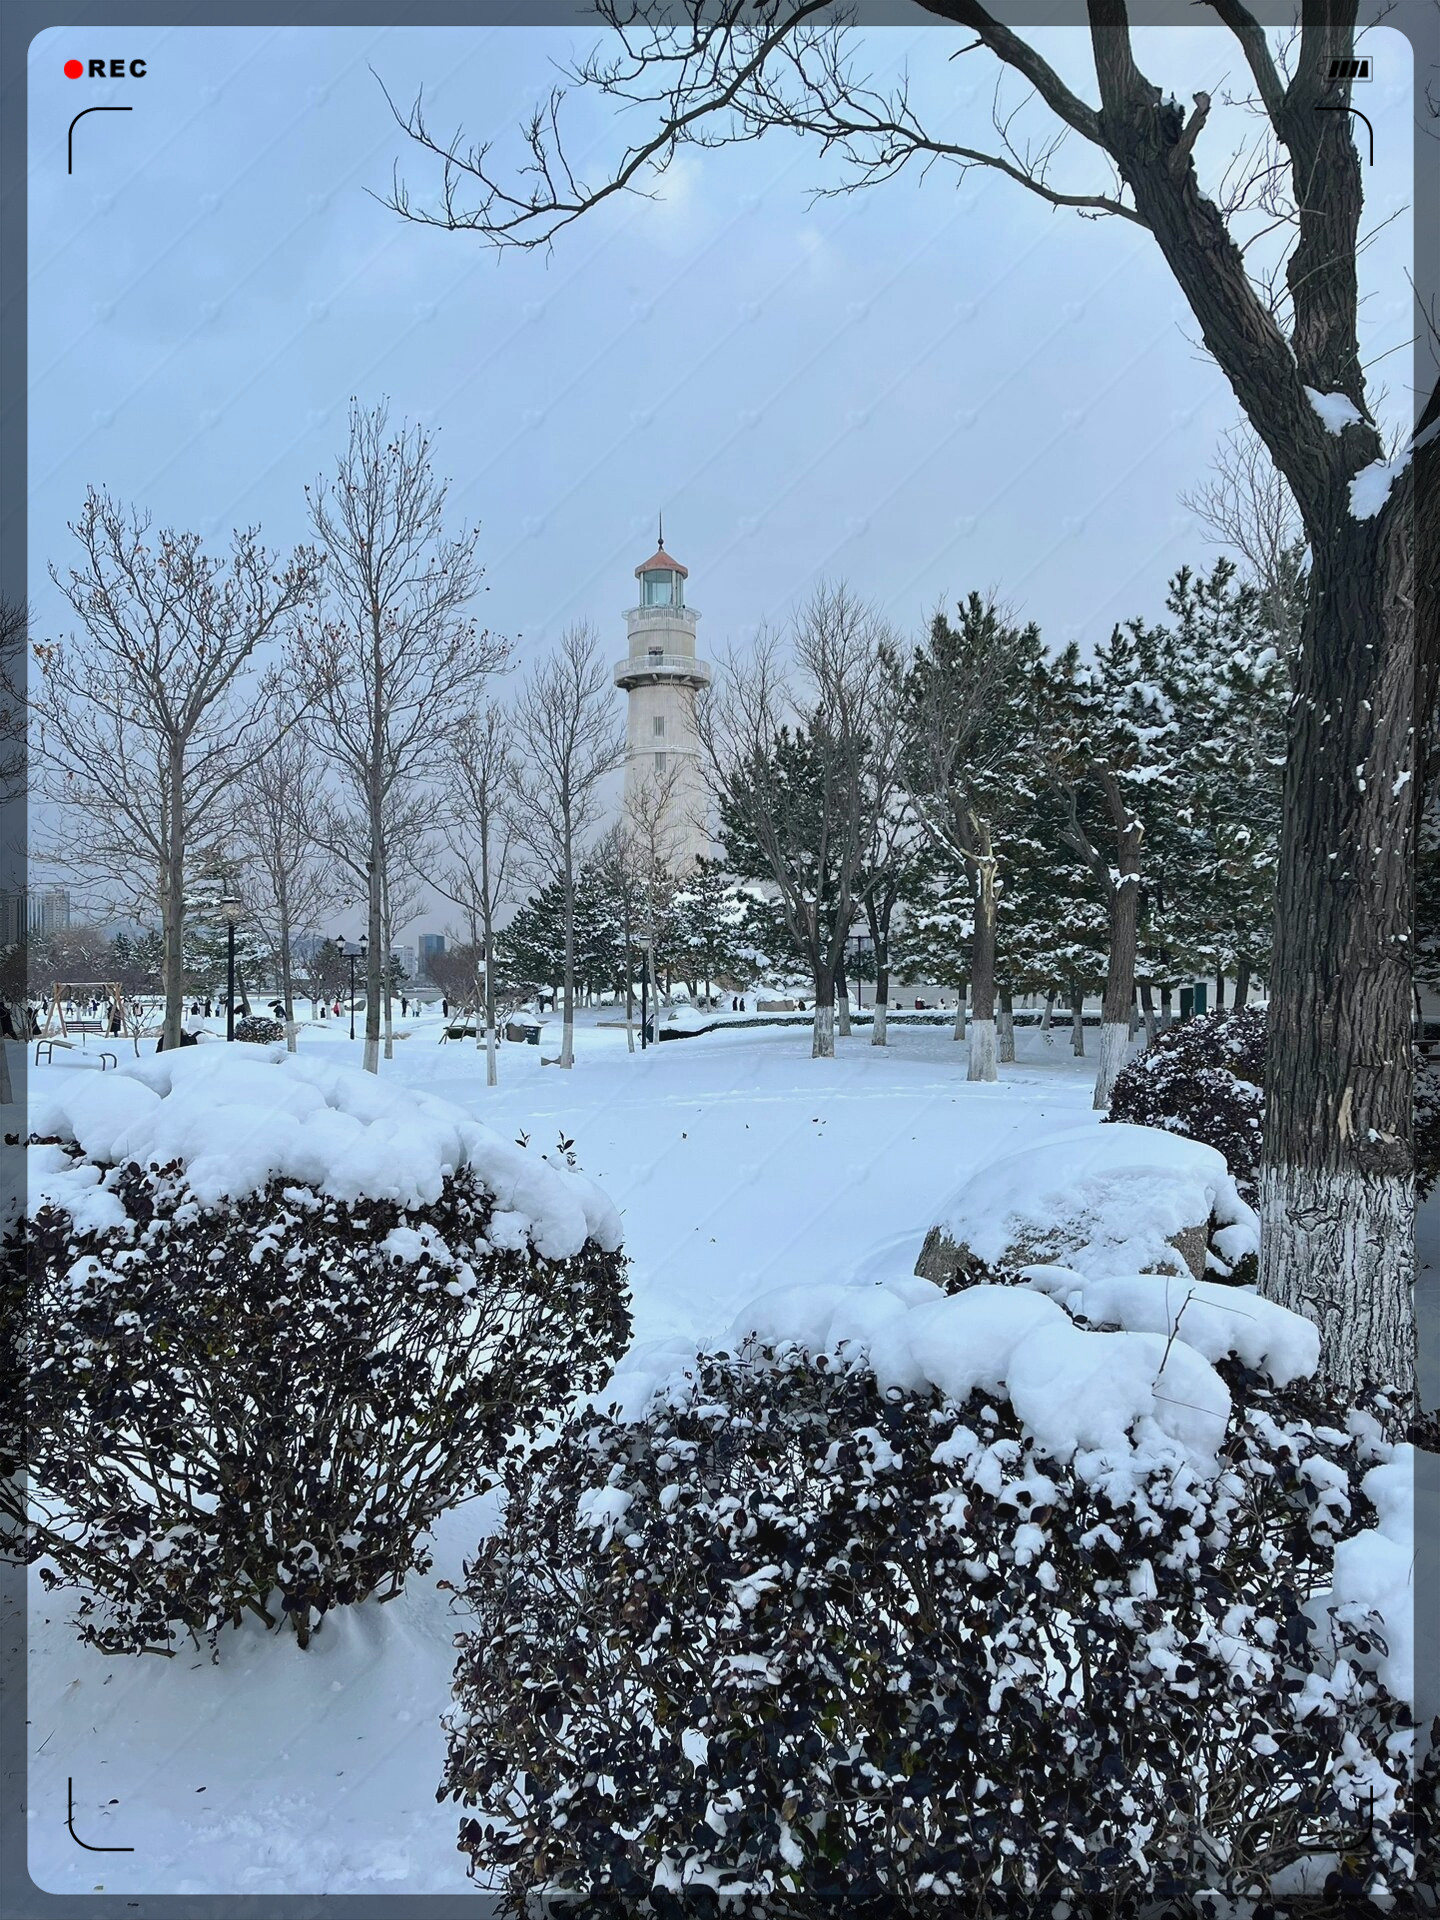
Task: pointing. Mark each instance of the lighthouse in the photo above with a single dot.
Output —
(661, 674)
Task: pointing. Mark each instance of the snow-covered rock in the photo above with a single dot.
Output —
(1100, 1200)
(237, 1119)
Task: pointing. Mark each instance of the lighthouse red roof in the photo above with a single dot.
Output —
(661, 562)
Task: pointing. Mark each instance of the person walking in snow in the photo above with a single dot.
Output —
(445, 1009)
(404, 1008)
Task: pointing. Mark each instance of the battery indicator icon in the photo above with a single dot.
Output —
(1349, 70)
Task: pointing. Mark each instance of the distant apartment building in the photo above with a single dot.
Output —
(430, 945)
(404, 957)
(35, 910)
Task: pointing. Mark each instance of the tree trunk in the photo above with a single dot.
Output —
(1242, 983)
(1167, 1011)
(1219, 989)
(882, 1003)
(1045, 1017)
(1005, 1028)
(567, 1030)
(1336, 1193)
(842, 997)
(822, 1044)
(1147, 1003)
(1120, 972)
(374, 934)
(172, 907)
(982, 970)
(962, 994)
(1077, 1021)
(389, 1016)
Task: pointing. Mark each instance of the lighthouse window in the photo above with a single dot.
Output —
(658, 724)
(659, 589)
(659, 763)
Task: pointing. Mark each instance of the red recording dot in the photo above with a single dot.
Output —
(74, 69)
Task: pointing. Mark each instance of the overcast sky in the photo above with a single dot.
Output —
(923, 389)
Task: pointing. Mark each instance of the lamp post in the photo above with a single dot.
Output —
(353, 949)
(230, 907)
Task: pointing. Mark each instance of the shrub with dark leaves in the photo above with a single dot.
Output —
(263, 1406)
(260, 1028)
(1203, 1078)
(789, 1645)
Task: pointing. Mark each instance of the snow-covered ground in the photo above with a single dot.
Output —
(739, 1166)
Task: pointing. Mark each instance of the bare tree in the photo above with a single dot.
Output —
(14, 639)
(1279, 315)
(1248, 506)
(569, 741)
(477, 833)
(393, 653)
(286, 880)
(144, 726)
(789, 769)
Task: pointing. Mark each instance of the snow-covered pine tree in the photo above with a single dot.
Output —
(1230, 688)
(1111, 754)
(970, 703)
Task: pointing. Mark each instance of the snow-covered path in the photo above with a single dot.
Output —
(739, 1164)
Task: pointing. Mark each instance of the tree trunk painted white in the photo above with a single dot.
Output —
(1114, 1045)
(1045, 1018)
(389, 1023)
(982, 1050)
(492, 1071)
(1005, 1027)
(822, 1044)
(1077, 1025)
(1333, 1239)
(877, 1032)
(960, 994)
(842, 1007)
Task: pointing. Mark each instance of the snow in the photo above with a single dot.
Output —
(1370, 488)
(1375, 1572)
(236, 1118)
(1337, 410)
(1121, 1192)
(1215, 1320)
(756, 1188)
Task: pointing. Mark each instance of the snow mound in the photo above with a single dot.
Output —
(235, 1119)
(1216, 1321)
(1112, 1402)
(1112, 1199)
(1375, 1572)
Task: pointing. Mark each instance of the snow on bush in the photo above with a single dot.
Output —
(1099, 1199)
(905, 1603)
(277, 1319)
(1203, 1079)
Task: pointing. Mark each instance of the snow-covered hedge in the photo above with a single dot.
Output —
(904, 1603)
(260, 1029)
(278, 1317)
(1204, 1079)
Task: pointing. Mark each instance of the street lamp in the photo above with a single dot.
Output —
(353, 950)
(230, 907)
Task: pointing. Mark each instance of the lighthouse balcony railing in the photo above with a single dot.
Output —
(661, 666)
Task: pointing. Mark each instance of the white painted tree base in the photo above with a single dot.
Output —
(1114, 1045)
(1339, 1247)
(822, 1045)
(877, 1032)
(982, 1050)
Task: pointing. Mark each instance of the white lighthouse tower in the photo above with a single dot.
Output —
(662, 674)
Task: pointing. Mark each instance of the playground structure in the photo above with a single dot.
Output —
(111, 995)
